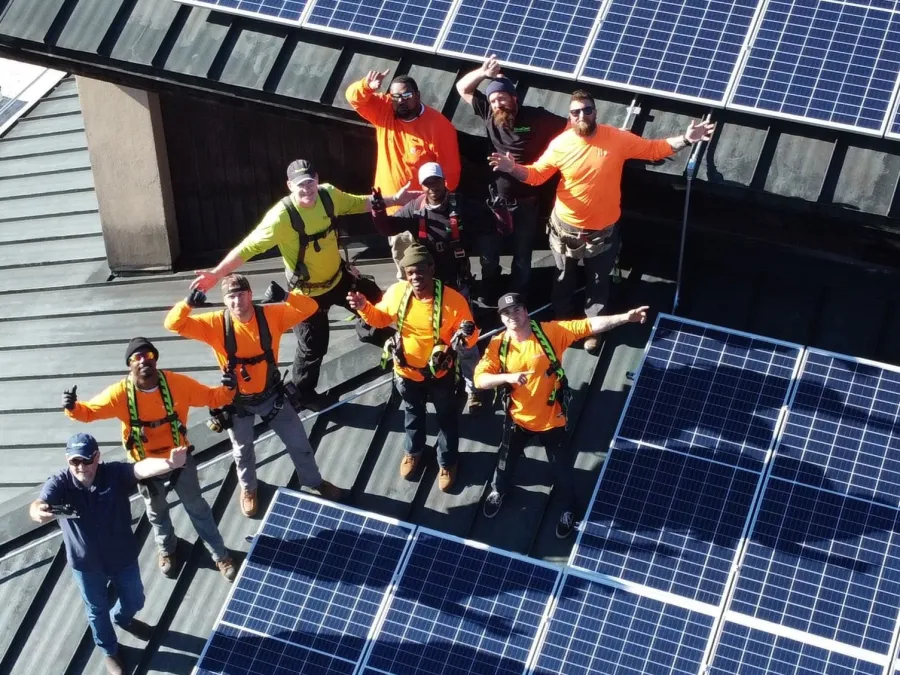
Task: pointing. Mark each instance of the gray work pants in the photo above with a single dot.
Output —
(187, 488)
(289, 429)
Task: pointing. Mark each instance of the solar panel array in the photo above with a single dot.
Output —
(827, 62)
(746, 521)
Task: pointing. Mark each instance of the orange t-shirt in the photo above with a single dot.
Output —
(528, 402)
(209, 327)
(418, 333)
(186, 393)
(405, 146)
(589, 195)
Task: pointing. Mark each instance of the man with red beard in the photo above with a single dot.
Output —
(583, 225)
(523, 132)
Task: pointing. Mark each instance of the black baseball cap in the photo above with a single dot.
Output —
(510, 300)
(300, 171)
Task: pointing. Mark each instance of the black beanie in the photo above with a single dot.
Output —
(138, 344)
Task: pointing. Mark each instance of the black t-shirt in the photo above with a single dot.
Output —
(526, 141)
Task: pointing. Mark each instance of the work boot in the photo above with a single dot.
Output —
(592, 346)
(329, 491)
(114, 664)
(167, 564)
(446, 478)
(492, 504)
(227, 568)
(139, 629)
(408, 466)
(248, 502)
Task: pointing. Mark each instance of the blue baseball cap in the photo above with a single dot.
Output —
(82, 445)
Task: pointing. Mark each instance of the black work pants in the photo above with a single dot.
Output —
(313, 334)
(515, 439)
(597, 280)
(442, 392)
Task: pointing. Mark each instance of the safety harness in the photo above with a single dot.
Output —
(300, 277)
(442, 356)
(560, 393)
(137, 437)
(239, 365)
(454, 229)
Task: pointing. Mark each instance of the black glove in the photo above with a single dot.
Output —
(69, 398)
(467, 328)
(378, 205)
(196, 298)
(275, 293)
(229, 380)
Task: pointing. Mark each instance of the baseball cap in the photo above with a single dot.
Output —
(510, 300)
(234, 283)
(81, 445)
(300, 171)
(430, 170)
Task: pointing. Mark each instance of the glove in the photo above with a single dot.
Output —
(196, 298)
(229, 380)
(275, 293)
(467, 328)
(69, 398)
(378, 205)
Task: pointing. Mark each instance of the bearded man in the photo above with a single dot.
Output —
(583, 225)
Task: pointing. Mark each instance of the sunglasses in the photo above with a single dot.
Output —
(586, 110)
(405, 96)
(142, 356)
(80, 461)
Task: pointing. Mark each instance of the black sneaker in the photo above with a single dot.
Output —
(492, 504)
(565, 525)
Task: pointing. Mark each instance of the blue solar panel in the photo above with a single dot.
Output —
(747, 651)
(823, 60)
(709, 392)
(668, 521)
(461, 609)
(843, 432)
(530, 33)
(287, 11)
(316, 578)
(413, 22)
(823, 563)
(595, 629)
(684, 47)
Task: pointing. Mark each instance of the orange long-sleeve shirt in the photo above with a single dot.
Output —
(209, 327)
(589, 195)
(528, 402)
(405, 146)
(186, 393)
(418, 333)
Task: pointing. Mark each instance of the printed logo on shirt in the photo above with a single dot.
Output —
(103, 492)
(521, 130)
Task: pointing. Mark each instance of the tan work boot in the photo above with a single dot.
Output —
(227, 568)
(167, 564)
(446, 478)
(408, 466)
(248, 502)
(330, 491)
(114, 664)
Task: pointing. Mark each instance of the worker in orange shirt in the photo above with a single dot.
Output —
(153, 405)
(246, 339)
(408, 134)
(526, 360)
(432, 321)
(583, 224)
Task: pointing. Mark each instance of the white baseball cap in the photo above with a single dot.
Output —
(430, 170)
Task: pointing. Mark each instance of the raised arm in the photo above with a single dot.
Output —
(601, 324)
(364, 98)
(469, 82)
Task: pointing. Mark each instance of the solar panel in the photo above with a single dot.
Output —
(832, 62)
(823, 563)
(310, 590)
(843, 430)
(748, 651)
(686, 48)
(461, 609)
(416, 23)
(532, 34)
(710, 392)
(282, 11)
(597, 629)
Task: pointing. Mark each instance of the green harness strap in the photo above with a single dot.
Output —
(137, 437)
(401, 319)
(555, 368)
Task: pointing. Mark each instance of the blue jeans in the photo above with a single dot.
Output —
(94, 592)
(442, 392)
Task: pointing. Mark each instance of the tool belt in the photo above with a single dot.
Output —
(306, 286)
(578, 243)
